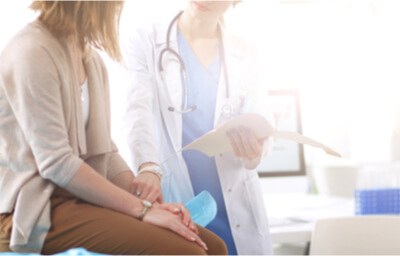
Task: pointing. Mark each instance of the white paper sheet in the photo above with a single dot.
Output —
(216, 141)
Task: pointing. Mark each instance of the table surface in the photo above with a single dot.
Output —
(292, 216)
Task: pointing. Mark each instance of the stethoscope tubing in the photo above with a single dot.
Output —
(168, 49)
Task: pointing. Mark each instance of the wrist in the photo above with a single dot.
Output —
(146, 206)
(155, 169)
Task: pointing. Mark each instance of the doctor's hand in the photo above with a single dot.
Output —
(147, 186)
(245, 143)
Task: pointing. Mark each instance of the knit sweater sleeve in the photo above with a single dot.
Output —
(33, 89)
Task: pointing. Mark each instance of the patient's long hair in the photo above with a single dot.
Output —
(91, 22)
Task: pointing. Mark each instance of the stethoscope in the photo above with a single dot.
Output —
(228, 109)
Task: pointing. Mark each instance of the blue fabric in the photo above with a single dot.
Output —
(74, 251)
(202, 208)
(202, 92)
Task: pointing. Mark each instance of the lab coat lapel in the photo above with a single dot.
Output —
(233, 56)
(172, 72)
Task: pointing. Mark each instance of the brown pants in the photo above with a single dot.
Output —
(76, 223)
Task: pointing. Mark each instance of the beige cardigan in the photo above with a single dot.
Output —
(43, 140)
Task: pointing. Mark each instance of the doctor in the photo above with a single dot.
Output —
(186, 77)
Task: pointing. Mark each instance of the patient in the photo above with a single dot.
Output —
(62, 182)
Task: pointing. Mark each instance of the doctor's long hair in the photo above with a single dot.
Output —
(92, 22)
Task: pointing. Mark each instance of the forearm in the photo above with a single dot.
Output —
(90, 186)
(124, 180)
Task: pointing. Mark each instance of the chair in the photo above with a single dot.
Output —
(367, 234)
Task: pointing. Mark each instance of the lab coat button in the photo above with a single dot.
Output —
(238, 226)
(230, 190)
(221, 155)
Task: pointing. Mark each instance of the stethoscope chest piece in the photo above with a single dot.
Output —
(228, 109)
(234, 107)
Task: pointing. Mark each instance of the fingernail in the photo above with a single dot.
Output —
(192, 238)
(205, 246)
(241, 129)
(176, 209)
(248, 131)
(187, 224)
(228, 133)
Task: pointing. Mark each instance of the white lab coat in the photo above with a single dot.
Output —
(154, 132)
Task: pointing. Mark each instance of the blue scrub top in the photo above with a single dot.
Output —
(202, 92)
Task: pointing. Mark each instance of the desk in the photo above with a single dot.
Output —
(292, 216)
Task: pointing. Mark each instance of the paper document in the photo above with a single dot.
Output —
(216, 141)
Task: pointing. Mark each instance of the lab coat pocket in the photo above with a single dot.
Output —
(255, 196)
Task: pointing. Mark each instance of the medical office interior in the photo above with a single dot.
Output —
(331, 68)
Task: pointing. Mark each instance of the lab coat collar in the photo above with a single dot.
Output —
(173, 120)
(233, 46)
(161, 37)
(234, 53)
